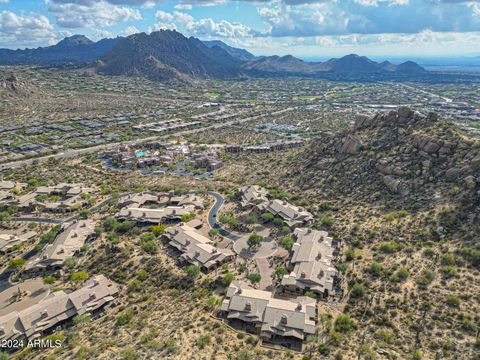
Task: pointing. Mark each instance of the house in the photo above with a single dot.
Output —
(188, 199)
(147, 216)
(139, 199)
(291, 214)
(67, 244)
(11, 185)
(252, 195)
(195, 248)
(56, 309)
(277, 321)
(9, 241)
(311, 265)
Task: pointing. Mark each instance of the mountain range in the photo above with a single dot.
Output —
(169, 56)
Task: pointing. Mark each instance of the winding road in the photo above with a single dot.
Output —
(212, 217)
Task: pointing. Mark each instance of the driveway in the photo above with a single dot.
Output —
(34, 291)
(266, 272)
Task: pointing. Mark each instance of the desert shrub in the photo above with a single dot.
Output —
(192, 270)
(79, 276)
(452, 301)
(426, 277)
(349, 254)
(357, 291)
(344, 324)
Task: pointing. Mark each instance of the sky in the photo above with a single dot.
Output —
(303, 28)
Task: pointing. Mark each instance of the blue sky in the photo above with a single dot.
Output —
(305, 28)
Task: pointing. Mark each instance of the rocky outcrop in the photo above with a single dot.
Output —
(351, 145)
(403, 155)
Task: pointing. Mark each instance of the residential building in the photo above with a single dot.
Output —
(311, 265)
(252, 195)
(195, 248)
(291, 214)
(147, 216)
(277, 321)
(67, 244)
(56, 309)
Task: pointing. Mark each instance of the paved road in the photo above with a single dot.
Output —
(75, 152)
(38, 219)
(212, 217)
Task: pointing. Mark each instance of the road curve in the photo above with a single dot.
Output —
(212, 217)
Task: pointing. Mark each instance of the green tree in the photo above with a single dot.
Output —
(254, 240)
(192, 271)
(254, 278)
(287, 242)
(16, 264)
(279, 273)
(267, 217)
(227, 279)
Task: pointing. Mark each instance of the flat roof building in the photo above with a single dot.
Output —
(312, 263)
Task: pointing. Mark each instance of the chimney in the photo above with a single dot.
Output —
(321, 274)
(248, 306)
(299, 307)
(303, 275)
(283, 319)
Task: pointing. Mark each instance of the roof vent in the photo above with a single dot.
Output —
(283, 319)
(248, 306)
(299, 307)
(303, 275)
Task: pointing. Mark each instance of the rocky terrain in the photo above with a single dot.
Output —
(400, 192)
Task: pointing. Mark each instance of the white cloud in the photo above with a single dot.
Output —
(164, 26)
(183, 7)
(90, 13)
(130, 30)
(205, 28)
(99, 34)
(24, 30)
(164, 16)
(4, 1)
